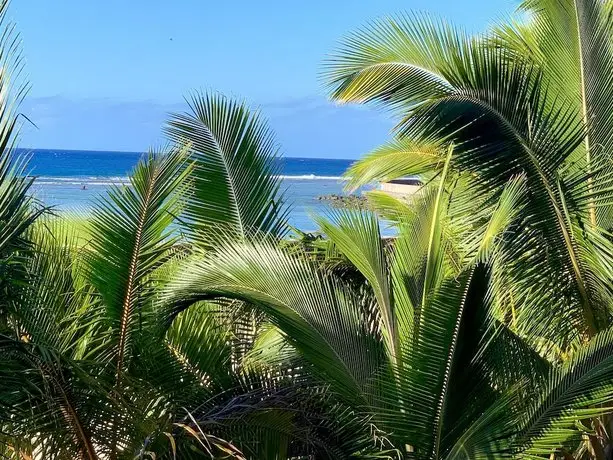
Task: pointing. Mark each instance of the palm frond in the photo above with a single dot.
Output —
(236, 168)
(357, 236)
(398, 158)
(395, 61)
(571, 41)
(18, 208)
(505, 121)
(131, 234)
(581, 390)
(318, 315)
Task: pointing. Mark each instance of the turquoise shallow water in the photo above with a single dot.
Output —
(71, 179)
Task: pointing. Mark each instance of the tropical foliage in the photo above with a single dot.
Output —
(184, 318)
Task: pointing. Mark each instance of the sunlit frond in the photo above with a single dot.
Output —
(236, 168)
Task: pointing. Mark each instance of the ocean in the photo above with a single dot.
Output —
(72, 179)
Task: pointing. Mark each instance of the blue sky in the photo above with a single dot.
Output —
(104, 74)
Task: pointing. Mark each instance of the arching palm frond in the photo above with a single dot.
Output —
(500, 116)
(131, 235)
(571, 40)
(236, 168)
(317, 314)
(398, 158)
(396, 61)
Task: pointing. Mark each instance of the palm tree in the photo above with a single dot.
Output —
(506, 118)
(92, 368)
(476, 118)
(410, 341)
(528, 100)
(183, 324)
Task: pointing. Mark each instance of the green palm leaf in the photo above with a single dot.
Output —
(131, 235)
(579, 391)
(319, 316)
(236, 168)
(398, 158)
(357, 236)
(18, 209)
(571, 40)
(394, 61)
(505, 122)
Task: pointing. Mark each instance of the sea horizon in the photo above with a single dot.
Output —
(20, 150)
(73, 180)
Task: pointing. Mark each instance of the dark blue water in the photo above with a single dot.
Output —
(72, 180)
(99, 164)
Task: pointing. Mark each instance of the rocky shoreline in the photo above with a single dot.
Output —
(345, 201)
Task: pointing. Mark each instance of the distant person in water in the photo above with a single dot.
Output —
(84, 187)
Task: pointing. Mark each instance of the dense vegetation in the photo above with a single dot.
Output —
(185, 319)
